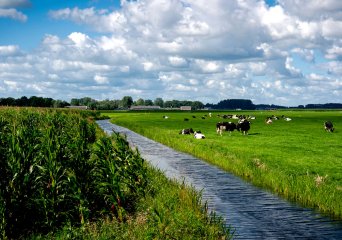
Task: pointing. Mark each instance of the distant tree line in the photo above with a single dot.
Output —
(127, 101)
(243, 104)
(33, 102)
(124, 103)
(325, 106)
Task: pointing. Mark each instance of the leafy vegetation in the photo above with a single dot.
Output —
(62, 178)
(296, 159)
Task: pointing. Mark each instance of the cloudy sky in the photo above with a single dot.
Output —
(285, 52)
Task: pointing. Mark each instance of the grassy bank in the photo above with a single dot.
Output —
(62, 178)
(297, 159)
(170, 210)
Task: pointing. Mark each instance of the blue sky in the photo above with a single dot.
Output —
(29, 34)
(275, 52)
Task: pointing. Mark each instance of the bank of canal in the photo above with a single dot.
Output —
(252, 212)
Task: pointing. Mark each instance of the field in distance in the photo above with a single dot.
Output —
(296, 159)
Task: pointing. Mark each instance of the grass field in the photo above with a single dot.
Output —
(298, 160)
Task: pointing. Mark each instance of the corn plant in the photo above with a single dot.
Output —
(54, 171)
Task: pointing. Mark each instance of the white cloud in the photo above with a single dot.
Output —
(177, 61)
(186, 49)
(14, 3)
(101, 79)
(334, 53)
(9, 50)
(13, 13)
(306, 54)
(313, 9)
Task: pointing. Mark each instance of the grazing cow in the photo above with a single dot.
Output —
(243, 126)
(165, 117)
(186, 119)
(328, 126)
(287, 119)
(199, 135)
(203, 117)
(186, 131)
(225, 126)
(193, 116)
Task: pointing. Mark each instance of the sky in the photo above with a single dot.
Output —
(284, 52)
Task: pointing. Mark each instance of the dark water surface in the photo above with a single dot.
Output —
(252, 212)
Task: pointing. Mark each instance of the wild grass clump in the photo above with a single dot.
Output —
(54, 171)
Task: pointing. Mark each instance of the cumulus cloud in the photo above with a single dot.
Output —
(13, 13)
(8, 9)
(190, 49)
(101, 79)
(14, 3)
(9, 50)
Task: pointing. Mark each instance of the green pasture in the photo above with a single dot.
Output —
(298, 160)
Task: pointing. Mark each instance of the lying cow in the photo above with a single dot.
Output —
(199, 135)
(186, 131)
(243, 126)
(225, 126)
(268, 120)
(328, 126)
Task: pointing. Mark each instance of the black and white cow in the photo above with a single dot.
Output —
(243, 126)
(268, 120)
(186, 131)
(225, 126)
(328, 126)
(199, 135)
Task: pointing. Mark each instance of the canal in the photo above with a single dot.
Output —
(253, 212)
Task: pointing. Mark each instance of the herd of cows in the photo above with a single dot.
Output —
(243, 124)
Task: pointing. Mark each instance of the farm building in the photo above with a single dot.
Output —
(141, 107)
(185, 108)
(78, 107)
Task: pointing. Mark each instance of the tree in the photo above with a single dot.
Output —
(59, 104)
(126, 102)
(197, 105)
(159, 102)
(139, 102)
(148, 102)
(245, 104)
(75, 102)
(23, 101)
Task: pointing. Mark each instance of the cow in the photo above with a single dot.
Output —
(186, 119)
(165, 117)
(186, 131)
(243, 126)
(328, 126)
(268, 120)
(199, 135)
(225, 126)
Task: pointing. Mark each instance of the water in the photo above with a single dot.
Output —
(252, 212)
